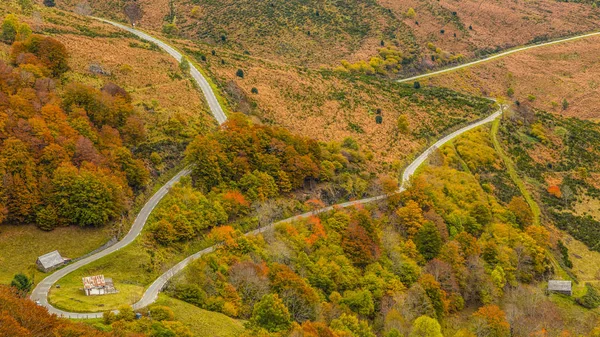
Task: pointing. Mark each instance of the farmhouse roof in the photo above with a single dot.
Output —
(51, 259)
(556, 285)
(96, 281)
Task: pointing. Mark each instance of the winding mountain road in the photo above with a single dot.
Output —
(495, 56)
(40, 293)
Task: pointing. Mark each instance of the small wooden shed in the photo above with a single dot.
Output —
(561, 287)
(50, 261)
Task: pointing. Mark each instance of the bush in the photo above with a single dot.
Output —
(22, 283)
(161, 313)
(591, 299)
(108, 317)
(184, 65)
(170, 29)
(126, 313)
(239, 73)
(254, 91)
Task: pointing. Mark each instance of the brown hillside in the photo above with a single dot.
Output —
(544, 76)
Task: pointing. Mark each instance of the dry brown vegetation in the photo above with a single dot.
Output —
(543, 76)
(329, 106)
(495, 24)
(314, 33)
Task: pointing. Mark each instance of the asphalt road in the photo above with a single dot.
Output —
(40, 293)
(495, 56)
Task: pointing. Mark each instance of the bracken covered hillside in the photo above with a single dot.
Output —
(315, 32)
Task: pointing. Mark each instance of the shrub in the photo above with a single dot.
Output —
(126, 313)
(170, 29)
(239, 73)
(591, 299)
(184, 65)
(565, 104)
(22, 283)
(162, 313)
(254, 91)
(411, 13)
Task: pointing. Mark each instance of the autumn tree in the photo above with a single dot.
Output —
(410, 217)
(425, 326)
(522, 211)
(271, 314)
(490, 321)
(357, 244)
(86, 196)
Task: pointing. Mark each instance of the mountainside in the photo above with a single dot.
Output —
(318, 33)
(330, 199)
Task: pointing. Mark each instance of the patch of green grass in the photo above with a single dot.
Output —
(514, 176)
(20, 246)
(132, 269)
(202, 322)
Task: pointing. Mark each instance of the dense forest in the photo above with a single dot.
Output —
(65, 151)
(447, 255)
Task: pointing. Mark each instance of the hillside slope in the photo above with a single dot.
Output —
(315, 33)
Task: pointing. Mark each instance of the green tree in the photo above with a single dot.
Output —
(239, 73)
(126, 313)
(417, 85)
(428, 241)
(184, 65)
(49, 3)
(425, 326)
(360, 301)
(22, 283)
(271, 314)
(565, 104)
(86, 197)
(10, 27)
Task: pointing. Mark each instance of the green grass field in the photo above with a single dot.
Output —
(202, 322)
(20, 246)
(132, 269)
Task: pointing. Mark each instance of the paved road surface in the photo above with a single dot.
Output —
(40, 293)
(495, 56)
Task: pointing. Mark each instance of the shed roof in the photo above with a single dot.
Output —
(557, 285)
(51, 259)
